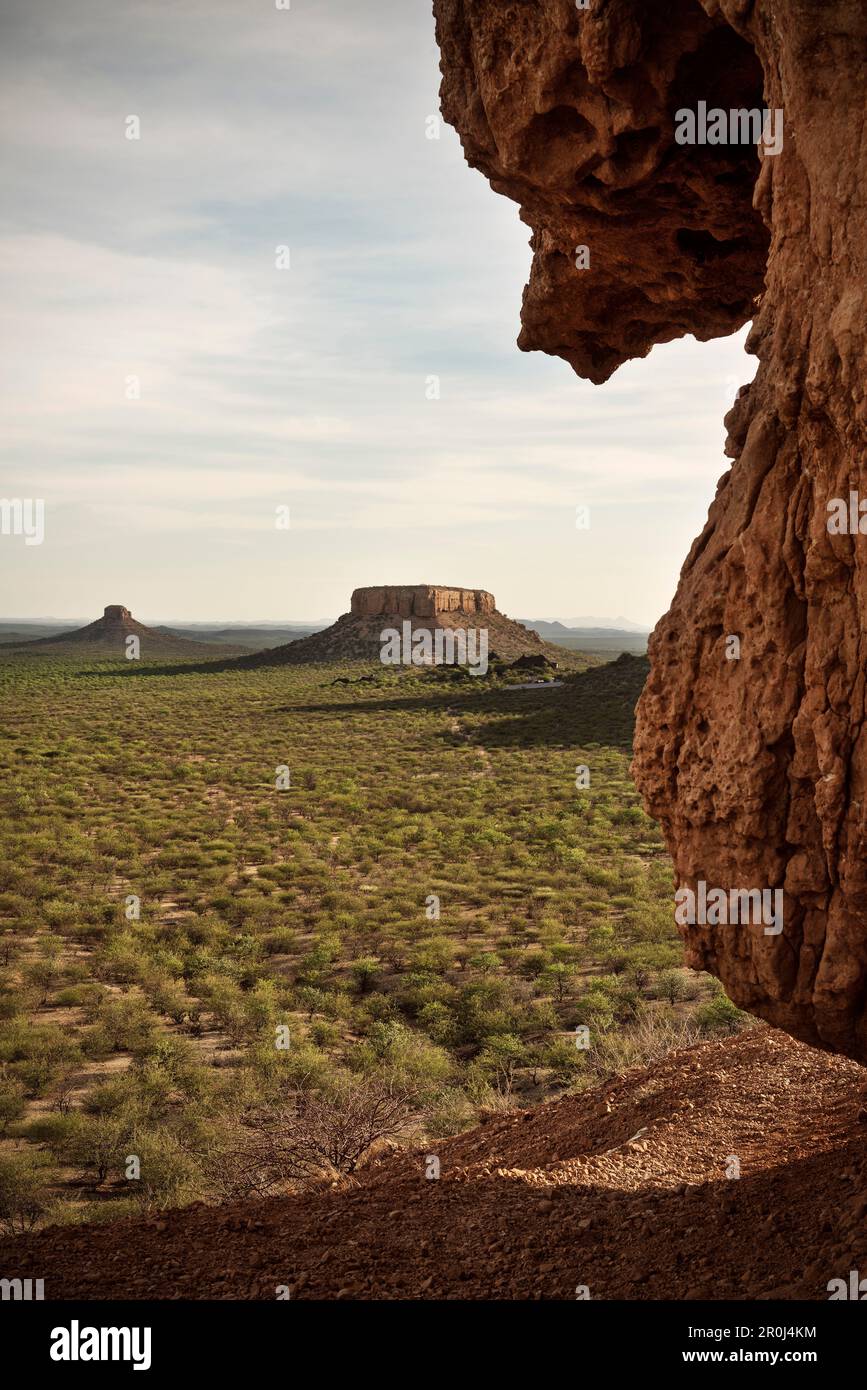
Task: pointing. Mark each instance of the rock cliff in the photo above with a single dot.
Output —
(419, 601)
(358, 634)
(570, 113)
(750, 752)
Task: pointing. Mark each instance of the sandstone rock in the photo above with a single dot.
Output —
(570, 113)
(756, 767)
(357, 635)
(419, 601)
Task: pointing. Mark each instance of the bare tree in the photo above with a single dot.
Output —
(309, 1137)
(64, 1092)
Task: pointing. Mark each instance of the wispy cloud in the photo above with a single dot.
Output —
(147, 268)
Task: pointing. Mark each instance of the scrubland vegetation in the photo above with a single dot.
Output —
(406, 935)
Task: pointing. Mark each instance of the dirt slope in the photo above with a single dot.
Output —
(354, 638)
(535, 1203)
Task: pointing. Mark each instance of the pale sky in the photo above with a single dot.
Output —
(302, 387)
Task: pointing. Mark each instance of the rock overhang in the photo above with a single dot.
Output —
(572, 114)
(755, 764)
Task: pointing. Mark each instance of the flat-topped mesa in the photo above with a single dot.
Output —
(116, 613)
(419, 601)
(381, 609)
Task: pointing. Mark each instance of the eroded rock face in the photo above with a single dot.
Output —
(571, 114)
(419, 601)
(754, 764)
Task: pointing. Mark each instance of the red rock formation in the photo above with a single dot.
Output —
(357, 635)
(571, 114)
(419, 601)
(756, 767)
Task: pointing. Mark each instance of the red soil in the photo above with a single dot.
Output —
(535, 1203)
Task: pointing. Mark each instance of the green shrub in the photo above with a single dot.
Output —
(24, 1195)
(719, 1015)
(12, 1106)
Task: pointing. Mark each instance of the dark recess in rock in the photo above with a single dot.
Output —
(757, 767)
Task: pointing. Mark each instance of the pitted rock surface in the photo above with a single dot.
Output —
(756, 767)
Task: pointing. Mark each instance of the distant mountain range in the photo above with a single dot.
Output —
(237, 636)
(591, 639)
(594, 622)
(580, 634)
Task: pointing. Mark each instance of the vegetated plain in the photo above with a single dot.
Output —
(407, 934)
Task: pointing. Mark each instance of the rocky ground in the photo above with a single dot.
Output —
(622, 1190)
